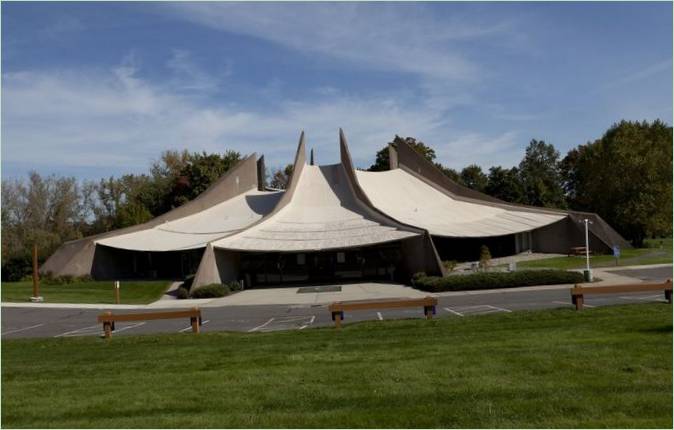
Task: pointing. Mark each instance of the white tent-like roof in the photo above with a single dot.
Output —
(323, 213)
(412, 201)
(197, 230)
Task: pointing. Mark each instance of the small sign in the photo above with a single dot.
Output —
(616, 251)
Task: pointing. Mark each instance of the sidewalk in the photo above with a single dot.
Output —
(362, 291)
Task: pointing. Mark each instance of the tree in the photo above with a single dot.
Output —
(280, 178)
(625, 177)
(450, 173)
(473, 177)
(505, 184)
(199, 173)
(381, 162)
(541, 177)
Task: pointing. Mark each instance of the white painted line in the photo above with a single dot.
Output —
(311, 321)
(381, 318)
(68, 333)
(559, 302)
(585, 305)
(183, 330)
(499, 309)
(260, 326)
(453, 312)
(22, 329)
(129, 327)
(654, 296)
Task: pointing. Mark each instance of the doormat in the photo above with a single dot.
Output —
(323, 289)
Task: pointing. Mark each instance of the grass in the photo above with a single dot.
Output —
(140, 292)
(605, 367)
(659, 251)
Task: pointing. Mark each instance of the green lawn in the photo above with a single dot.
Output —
(658, 252)
(604, 367)
(86, 292)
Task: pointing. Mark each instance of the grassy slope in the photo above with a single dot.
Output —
(629, 257)
(86, 292)
(606, 367)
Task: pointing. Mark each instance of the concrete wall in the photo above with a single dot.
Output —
(564, 235)
(217, 266)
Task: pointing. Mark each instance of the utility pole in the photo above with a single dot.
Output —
(36, 278)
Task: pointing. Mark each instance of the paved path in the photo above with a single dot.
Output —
(37, 321)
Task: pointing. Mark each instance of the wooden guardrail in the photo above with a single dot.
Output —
(337, 309)
(579, 292)
(108, 319)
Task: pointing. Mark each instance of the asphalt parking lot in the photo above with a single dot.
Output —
(36, 322)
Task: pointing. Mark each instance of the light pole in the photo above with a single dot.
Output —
(588, 271)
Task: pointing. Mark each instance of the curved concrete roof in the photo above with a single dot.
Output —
(197, 230)
(322, 213)
(412, 201)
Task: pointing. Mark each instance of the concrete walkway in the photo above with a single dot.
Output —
(363, 291)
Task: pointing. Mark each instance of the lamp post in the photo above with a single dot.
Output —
(588, 271)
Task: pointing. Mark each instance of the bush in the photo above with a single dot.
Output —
(182, 293)
(450, 265)
(234, 286)
(210, 291)
(49, 279)
(489, 280)
(485, 257)
(187, 283)
(16, 268)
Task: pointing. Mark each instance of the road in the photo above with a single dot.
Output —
(35, 322)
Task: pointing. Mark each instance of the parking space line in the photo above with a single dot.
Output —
(653, 297)
(261, 326)
(571, 304)
(498, 309)
(68, 333)
(183, 330)
(22, 329)
(453, 312)
(129, 327)
(311, 321)
(381, 318)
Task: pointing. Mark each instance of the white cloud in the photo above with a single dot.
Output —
(115, 119)
(188, 76)
(399, 37)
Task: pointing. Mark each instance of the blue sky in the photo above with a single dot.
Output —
(98, 89)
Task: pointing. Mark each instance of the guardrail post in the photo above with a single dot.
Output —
(195, 320)
(107, 326)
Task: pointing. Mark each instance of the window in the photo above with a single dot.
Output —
(341, 257)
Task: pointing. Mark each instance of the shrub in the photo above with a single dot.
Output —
(187, 283)
(16, 268)
(182, 293)
(234, 286)
(50, 279)
(489, 280)
(485, 257)
(209, 291)
(450, 265)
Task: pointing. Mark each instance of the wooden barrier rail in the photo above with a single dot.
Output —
(579, 292)
(337, 309)
(108, 319)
